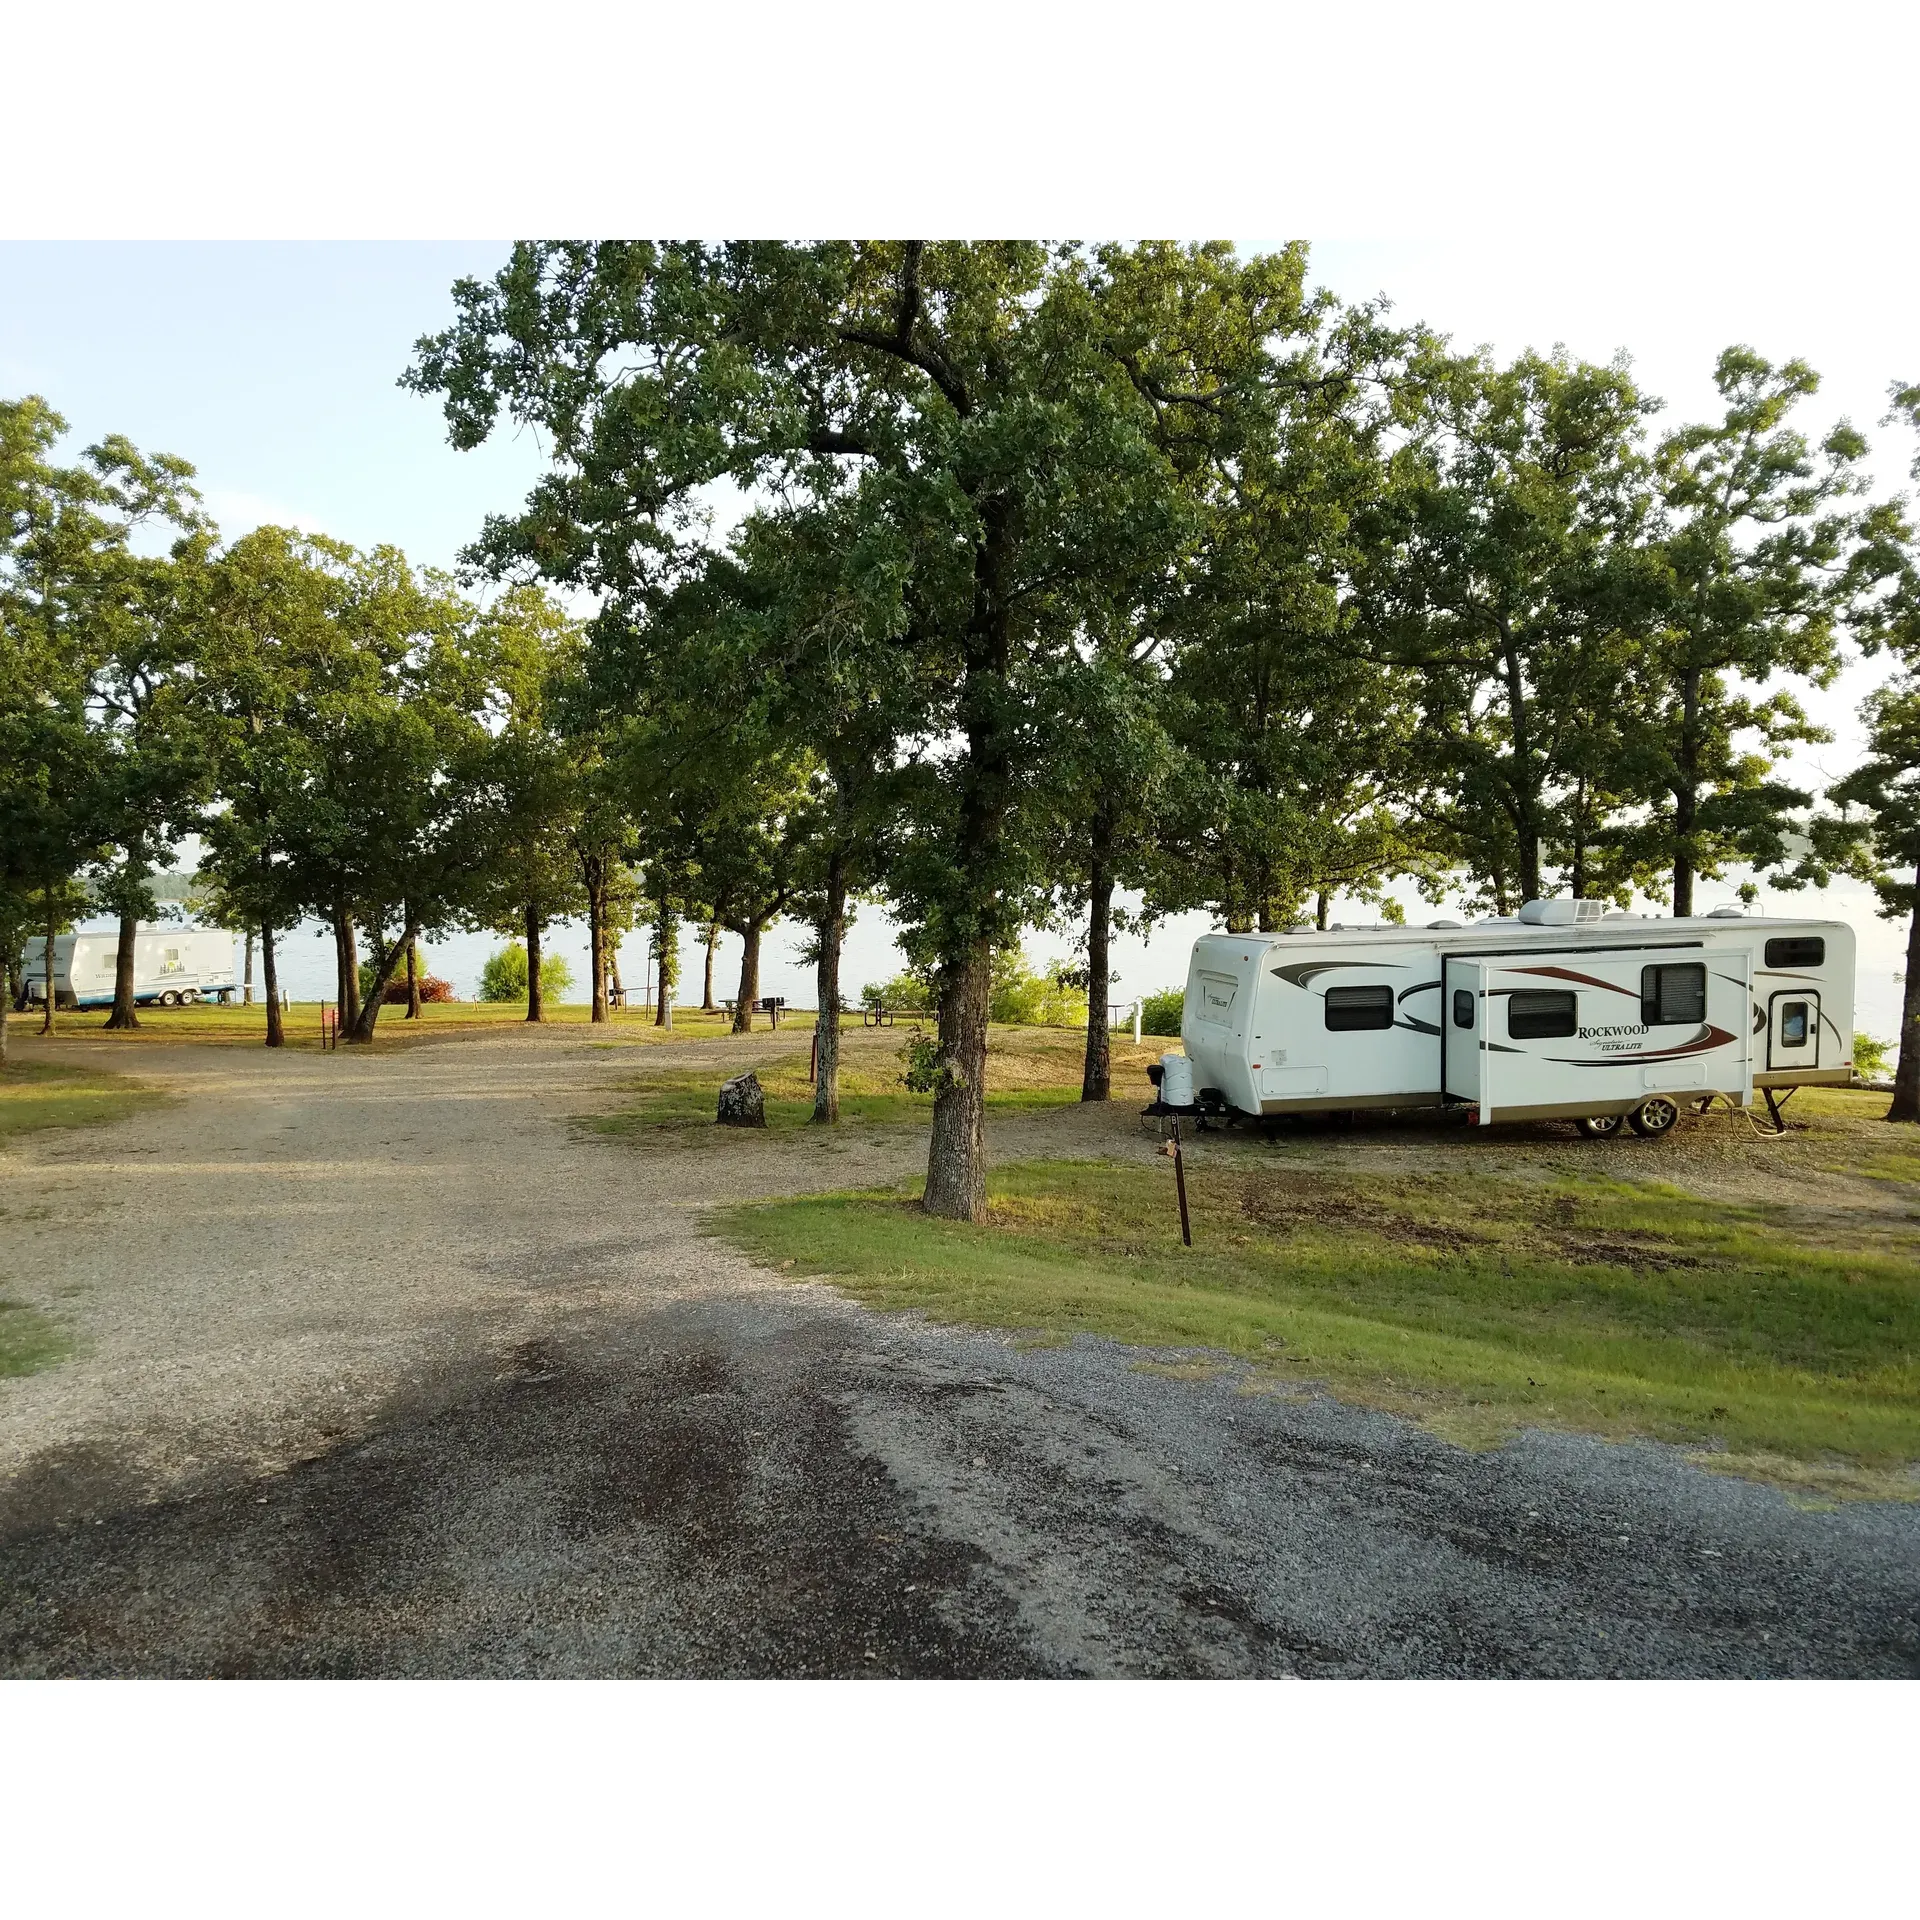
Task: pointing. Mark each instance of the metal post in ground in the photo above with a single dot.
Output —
(1180, 1183)
(1136, 1023)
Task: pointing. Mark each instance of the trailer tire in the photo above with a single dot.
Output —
(191, 998)
(1652, 1118)
(169, 998)
(1601, 1126)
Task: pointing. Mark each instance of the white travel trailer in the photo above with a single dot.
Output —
(1567, 1011)
(174, 966)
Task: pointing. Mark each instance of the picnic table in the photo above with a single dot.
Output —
(771, 1005)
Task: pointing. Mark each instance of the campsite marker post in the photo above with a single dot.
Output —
(1180, 1182)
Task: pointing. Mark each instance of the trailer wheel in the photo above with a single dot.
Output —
(169, 998)
(1655, 1117)
(190, 998)
(1601, 1126)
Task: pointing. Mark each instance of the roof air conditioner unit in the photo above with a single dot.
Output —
(1561, 913)
(1728, 913)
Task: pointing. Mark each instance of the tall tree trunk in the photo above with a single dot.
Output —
(957, 1153)
(706, 990)
(351, 955)
(833, 933)
(536, 1000)
(749, 933)
(270, 979)
(386, 963)
(46, 1020)
(1686, 794)
(666, 948)
(957, 1142)
(1524, 807)
(597, 942)
(413, 980)
(613, 968)
(246, 980)
(1906, 1074)
(1096, 1077)
(123, 1015)
(1683, 875)
(1322, 904)
(346, 955)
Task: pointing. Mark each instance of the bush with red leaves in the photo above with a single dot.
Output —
(432, 987)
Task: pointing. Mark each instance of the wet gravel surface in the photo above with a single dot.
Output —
(592, 1442)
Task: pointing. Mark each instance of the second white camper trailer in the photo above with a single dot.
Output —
(1564, 1012)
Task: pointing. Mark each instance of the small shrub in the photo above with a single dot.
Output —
(1870, 1060)
(432, 988)
(1023, 998)
(1160, 1013)
(920, 1064)
(504, 977)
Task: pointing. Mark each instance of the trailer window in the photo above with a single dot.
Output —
(1463, 1006)
(1673, 996)
(1537, 1014)
(1798, 950)
(1215, 1000)
(1355, 1009)
(1793, 1024)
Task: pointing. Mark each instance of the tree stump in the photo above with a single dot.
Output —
(742, 1104)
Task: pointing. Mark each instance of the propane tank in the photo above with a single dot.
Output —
(1176, 1080)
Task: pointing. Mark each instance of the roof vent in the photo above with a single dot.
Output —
(1728, 913)
(1441, 926)
(1561, 913)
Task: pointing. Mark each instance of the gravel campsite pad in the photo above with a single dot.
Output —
(414, 1363)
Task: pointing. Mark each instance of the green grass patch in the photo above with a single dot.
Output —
(28, 1340)
(37, 1094)
(208, 1024)
(1029, 1069)
(685, 1102)
(1474, 1303)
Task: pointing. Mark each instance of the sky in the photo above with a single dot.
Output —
(273, 368)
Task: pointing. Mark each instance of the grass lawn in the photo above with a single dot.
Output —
(1028, 1068)
(1477, 1304)
(247, 1026)
(28, 1340)
(35, 1094)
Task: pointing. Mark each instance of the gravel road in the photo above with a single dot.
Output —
(386, 1367)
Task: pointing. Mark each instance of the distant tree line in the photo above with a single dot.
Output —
(1053, 575)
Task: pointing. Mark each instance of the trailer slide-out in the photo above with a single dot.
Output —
(1566, 1011)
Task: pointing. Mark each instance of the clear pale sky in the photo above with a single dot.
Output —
(272, 367)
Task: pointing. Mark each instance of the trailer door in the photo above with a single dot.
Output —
(1463, 1016)
(1793, 1030)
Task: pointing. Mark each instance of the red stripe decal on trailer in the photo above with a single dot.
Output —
(1584, 979)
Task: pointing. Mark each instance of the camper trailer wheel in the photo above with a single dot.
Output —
(190, 998)
(1656, 1116)
(169, 998)
(1601, 1126)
